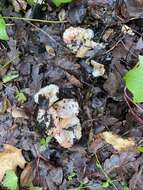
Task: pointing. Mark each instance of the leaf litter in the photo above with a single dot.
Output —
(71, 93)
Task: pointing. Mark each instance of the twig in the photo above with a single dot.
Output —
(34, 20)
(48, 35)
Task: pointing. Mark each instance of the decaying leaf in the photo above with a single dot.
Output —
(63, 113)
(10, 158)
(19, 113)
(50, 50)
(135, 8)
(121, 161)
(98, 69)
(127, 30)
(108, 33)
(79, 40)
(118, 142)
(19, 5)
(27, 175)
(73, 80)
(5, 105)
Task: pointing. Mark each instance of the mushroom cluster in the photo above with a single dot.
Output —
(80, 41)
(59, 116)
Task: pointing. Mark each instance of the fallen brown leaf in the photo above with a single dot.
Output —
(118, 142)
(5, 106)
(121, 162)
(73, 80)
(10, 158)
(135, 8)
(19, 113)
(27, 175)
(19, 5)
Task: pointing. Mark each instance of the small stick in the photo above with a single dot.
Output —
(34, 20)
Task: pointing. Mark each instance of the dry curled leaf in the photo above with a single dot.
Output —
(10, 158)
(118, 142)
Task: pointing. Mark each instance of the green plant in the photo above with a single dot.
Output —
(10, 180)
(59, 2)
(44, 142)
(3, 33)
(140, 149)
(72, 175)
(31, 2)
(10, 77)
(134, 81)
(80, 187)
(107, 183)
(20, 96)
(124, 185)
(82, 184)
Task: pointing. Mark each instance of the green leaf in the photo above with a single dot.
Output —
(134, 81)
(31, 2)
(105, 184)
(20, 96)
(10, 180)
(124, 185)
(44, 143)
(3, 33)
(59, 2)
(10, 77)
(72, 175)
(140, 149)
(98, 165)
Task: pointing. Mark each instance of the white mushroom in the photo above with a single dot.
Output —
(49, 92)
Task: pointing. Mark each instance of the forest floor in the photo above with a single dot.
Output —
(37, 52)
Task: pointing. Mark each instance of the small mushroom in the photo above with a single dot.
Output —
(49, 92)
